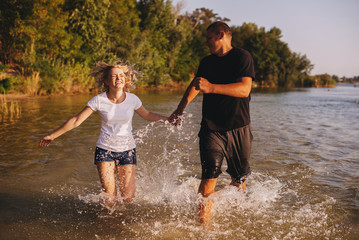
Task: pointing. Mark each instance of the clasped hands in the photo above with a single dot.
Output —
(176, 118)
(200, 84)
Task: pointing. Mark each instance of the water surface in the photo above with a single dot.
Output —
(304, 183)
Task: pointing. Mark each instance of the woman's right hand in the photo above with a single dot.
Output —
(46, 141)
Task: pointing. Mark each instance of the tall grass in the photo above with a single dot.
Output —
(72, 77)
(56, 76)
(32, 84)
(10, 111)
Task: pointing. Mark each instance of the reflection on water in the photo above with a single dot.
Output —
(304, 183)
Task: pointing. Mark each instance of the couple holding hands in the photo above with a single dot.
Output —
(225, 79)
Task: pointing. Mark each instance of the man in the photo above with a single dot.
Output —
(225, 79)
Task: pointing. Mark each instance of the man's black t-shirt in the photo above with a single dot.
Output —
(221, 112)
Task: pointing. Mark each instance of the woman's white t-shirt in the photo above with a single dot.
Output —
(116, 126)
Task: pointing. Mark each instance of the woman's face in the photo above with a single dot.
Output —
(116, 78)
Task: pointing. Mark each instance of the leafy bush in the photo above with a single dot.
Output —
(308, 82)
(8, 84)
(325, 80)
(4, 68)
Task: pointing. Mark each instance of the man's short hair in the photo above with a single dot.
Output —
(219, 26)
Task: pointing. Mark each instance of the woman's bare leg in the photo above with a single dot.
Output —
(106, 171)
(126, 174)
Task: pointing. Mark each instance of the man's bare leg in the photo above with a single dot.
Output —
(206, 188)
(234, 183)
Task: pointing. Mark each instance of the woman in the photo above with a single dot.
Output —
(115, 148)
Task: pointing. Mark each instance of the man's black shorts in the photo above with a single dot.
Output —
(234, 145)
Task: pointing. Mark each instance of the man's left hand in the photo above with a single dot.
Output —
(203, 85)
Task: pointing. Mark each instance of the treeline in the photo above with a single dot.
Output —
(354, 79)
(49, 46)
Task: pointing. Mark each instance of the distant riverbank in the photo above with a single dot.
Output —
(163, 88)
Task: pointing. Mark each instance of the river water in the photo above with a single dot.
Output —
(304, 185)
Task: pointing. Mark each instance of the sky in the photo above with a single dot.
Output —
(326, 31)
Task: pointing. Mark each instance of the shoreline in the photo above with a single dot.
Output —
(168, 88)
(15, 95)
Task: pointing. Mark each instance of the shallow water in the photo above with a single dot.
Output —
(305, 163)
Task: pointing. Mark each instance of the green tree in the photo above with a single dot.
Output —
(241, 33)
(122, 28)
(325, 80)
(87, 19)
(11, 12)
(193, 47)
(263, 47)
(166, 38)
(275, 64)
(156, 24)
(53, 43)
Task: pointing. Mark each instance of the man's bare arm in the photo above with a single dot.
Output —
(188, 96)
(238, 89)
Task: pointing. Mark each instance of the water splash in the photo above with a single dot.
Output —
(166, 202)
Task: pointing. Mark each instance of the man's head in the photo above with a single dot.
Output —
(219, 38)
(218, 27)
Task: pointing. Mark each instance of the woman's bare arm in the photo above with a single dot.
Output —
(150, 116)
(67, 126)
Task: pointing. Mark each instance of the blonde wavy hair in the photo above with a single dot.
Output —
(101, 69)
